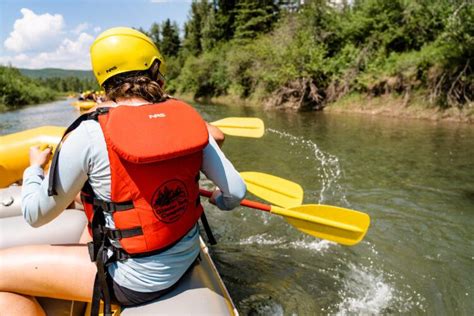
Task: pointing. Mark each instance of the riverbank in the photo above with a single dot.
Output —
(400, 107)
(385, 105)
(57, 97)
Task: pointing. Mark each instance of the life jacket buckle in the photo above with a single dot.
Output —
(115, 234)
(120, 255)
(99, 111)
(105, 206)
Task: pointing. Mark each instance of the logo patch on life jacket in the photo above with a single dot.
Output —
(156, 115)
(170, 200)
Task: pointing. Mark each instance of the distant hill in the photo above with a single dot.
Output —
(56, 72)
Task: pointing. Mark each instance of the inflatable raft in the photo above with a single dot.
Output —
(83, 106)
(14, 150)
(200, 292)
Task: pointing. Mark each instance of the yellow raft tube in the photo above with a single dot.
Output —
(14, 150)
(83, 106)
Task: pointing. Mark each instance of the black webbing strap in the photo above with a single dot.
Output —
(207, 229)
(111, 207)
(54, 164)
(98, 253)
(118, 234)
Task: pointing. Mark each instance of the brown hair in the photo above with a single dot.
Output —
(137, 84)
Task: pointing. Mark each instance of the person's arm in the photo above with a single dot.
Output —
(38, 208)
(220, 170)
(216, 133)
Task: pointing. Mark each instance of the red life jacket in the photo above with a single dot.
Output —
(155, 154)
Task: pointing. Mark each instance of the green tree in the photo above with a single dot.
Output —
(193, 28)
(155, 34)
(254, 18)
(170, 42)
(224, 11)
(211, 34)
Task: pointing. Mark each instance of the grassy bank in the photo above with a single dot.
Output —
(390, 105)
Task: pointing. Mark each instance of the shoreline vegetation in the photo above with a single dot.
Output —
(18, 90)
(385, 105)
(394, 58)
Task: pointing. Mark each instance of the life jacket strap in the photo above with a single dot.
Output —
(112, 207)
(98, 251)
(210, 236)
(52, 184)
(118, 234)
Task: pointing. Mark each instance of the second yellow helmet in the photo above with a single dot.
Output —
(123, 49)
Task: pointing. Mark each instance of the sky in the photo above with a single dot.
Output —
(39, 34)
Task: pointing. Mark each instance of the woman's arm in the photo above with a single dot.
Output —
(216, 133)
(38, 208)
(220, 170)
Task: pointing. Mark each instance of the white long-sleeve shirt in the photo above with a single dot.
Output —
(84, 157)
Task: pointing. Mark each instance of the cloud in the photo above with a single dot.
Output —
(70, 54)
(42, 41)
(35, 32)
(81, 28)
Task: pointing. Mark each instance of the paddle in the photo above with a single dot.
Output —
(241, 126)
(337, 224)
(275, 190)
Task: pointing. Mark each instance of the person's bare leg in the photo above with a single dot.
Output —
(57, 271)
(12, 304)
(85, 236)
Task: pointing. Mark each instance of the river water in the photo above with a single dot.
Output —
(414, 178)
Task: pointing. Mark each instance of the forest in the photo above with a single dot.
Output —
(307, 56)
(303, 55)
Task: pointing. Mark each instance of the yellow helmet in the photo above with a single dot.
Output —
(123, 49)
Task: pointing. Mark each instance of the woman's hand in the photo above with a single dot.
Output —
(214, 195)
(39, 157)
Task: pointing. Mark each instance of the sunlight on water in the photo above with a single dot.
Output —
(261, 239)
(316, 245)
(283, 243)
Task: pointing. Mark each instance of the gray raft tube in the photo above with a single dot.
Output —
(200, 292)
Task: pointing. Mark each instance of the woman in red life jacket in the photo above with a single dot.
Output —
(136, 161)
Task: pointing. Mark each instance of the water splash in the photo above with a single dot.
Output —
(266, 239)
(262, 239)
(370, 291)
(364, 292)
(316, 245)
(329, 169)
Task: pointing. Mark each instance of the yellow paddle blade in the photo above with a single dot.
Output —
(344, 226)
(273, 189)
(241, 126)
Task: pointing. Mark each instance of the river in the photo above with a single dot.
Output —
(414, 178)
